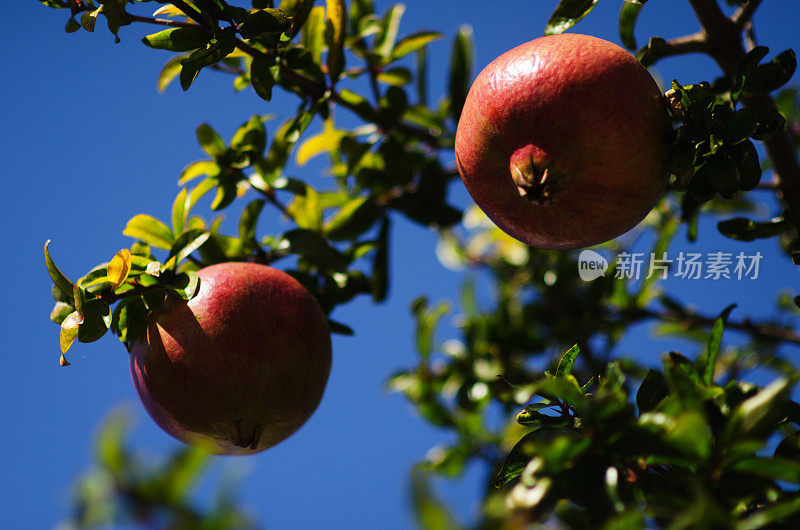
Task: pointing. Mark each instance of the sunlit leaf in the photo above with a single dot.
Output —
(119, 267)
(335, 32)
(150, 230)
(567, 14)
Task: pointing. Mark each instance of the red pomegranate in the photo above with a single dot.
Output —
(241, 366)
(563, 141)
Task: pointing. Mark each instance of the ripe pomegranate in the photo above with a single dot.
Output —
(239, 367)
(563, 141)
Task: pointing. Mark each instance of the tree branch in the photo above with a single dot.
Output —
(694, 43)
(745, 13)
(690, 320)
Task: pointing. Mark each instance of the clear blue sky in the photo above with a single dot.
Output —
(87, 142)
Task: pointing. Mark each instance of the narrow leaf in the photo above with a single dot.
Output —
(180, 211)
(567, 361)
(627, 20)
(709, 361)
(335, 29)
(567, 14)
(414, 42)
(461, 60)
(59, 280)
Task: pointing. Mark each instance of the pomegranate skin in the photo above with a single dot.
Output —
(585, 110)
(239, 367)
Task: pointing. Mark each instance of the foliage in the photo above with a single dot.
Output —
(125, 488)
(694, 445)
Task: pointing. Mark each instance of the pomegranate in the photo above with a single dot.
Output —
(239, 367)
(563, 141)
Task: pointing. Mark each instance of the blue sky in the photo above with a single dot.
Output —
(87, 143)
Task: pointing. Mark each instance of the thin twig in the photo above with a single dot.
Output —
(164, 22)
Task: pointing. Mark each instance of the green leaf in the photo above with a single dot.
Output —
(335, 33)
(567, 14)
(187, 243)
(89, 19)
(721, 172)
(265, 21)
(60, 311)
(150, 230)
(380, 264)
(560, 389)
(313, 37)
(299, 11)
(217, 50)
(210, 141)
(170, 71)
(283, 141)
(185, 284)
(129, 319)
(312, 245)
(773, 513)
(739, 126)
(59, 280)
(627, 21)
(384, 43)
(630, 519)
(249, 219)
(72, 25)
(708, 363)
(96, 320)
(781, 469)
(178, 39)
(398, 76)
(652, 391)
(461, 63)
(774, 74)
(251, 137)
(216, 8)
(749, 167)
(427, 321)
(566, 362)
(743, 229)
(759, 411)
(555, 452)
(353, 219)
(180, 211)
(340, 329)
(114, 11)
(414, 42)
(262, 76)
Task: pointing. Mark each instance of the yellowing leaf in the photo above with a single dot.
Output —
(334, 36)
(68, 334)
(168, 10)
(119, 267)
(318, 144)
